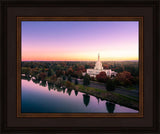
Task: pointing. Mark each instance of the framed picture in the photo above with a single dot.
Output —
(89, 66)
(112, 86)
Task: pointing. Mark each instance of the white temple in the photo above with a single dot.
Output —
(99, 68)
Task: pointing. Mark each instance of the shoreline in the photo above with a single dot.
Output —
(110, 96)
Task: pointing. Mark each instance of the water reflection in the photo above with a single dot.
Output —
(36, 81)
(86, 99)
(59, 89)
(98, 99)
(50, 86)
(63, 89)
(26, 77)
(76, 92)
(110, 107)
(67, 103)
(43, 83)
(69, 91)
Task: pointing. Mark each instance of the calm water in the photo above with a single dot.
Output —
(44, 98)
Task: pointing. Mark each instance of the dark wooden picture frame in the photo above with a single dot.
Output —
(9, 67)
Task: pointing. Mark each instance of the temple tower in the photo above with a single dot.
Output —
(98, 65)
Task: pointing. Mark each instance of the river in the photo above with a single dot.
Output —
(43, 98)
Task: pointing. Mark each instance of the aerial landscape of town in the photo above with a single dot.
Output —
(80, 67)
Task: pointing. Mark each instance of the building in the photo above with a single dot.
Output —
(99, 68)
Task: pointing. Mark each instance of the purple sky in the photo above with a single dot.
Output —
(79, 40)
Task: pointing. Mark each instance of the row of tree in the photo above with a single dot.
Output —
(124, 78)
(50, 71)
(76, 69)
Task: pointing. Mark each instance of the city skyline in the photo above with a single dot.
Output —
(80, 40)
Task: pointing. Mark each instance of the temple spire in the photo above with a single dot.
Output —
(98, 65)
(98, 57)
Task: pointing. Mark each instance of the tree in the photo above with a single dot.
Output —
(75, 74)
(53, 78)
(26, 71)
(42, 76)
(79, 74)
(125, 78)
(68, 84)
(69, 78)
(49, 72)
(43, 69)
(101, 77)
(105, 66)
(59, 82)
(59, 73)
(135, 80)
(76, 82)
(86, 80)
(34, 72)
(110, 85)
(92, 78)
(32, 66)
(64, 77)
(70, 71)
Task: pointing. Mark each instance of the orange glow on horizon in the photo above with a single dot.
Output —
(80, 56)
(80, 59)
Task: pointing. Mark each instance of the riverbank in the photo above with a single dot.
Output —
(133, 94)
(108, 95)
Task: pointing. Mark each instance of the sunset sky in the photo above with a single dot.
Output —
(79, 40)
